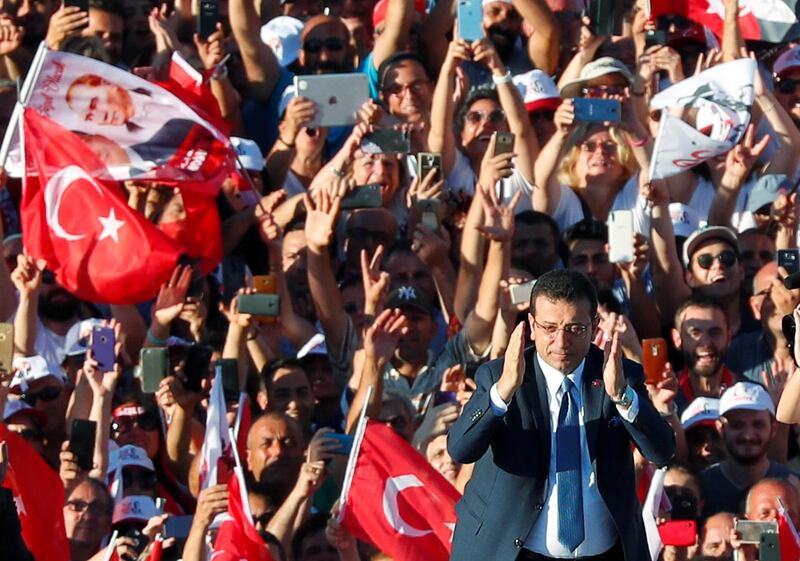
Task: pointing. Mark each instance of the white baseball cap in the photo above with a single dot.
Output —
(134, 507)
(788, 60)
(31, 368)
(538, 90)
(249, 153)
(746, 396)
(595, 69)
(129, 456)
(282, 35)
(701, 411)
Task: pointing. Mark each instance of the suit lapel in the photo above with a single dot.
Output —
(593, 396)
(535, 394)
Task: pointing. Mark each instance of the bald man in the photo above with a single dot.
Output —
(762, 500)
(715, 536)
(275, 450)
(754, 352)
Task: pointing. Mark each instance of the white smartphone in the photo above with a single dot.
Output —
(521, 293)
(620, 236)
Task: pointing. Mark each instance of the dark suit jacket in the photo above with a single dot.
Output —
(512, 453)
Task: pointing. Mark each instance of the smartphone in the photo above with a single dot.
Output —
(177, 527)
(503, 142)
(103, 347)
(382, 141)
(789, 259)
(207, 18)
(363, 196)
(83, 5)
(678, 533)
(654, 359)
(750, 531)
(230, 378)
(6, 346)
(444, 397)
(140, 540)
(684, 506)
(606, 17)
(198, 359)
(521, 293)
(426, 161)
(655, 37)
(345, 440)
(620, 236)
(233, 276)
(154, 361)
(430, 210)
(470, 20)
(594, 110)
(260, 304)
(81, 442)
(265, 284)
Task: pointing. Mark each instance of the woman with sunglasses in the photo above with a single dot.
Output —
(585, 170)
(485, 112)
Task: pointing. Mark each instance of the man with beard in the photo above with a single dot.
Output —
(324, 49)
(535, 246)
(702, 335)
(285, 388)
(747, 422)
(786, 71)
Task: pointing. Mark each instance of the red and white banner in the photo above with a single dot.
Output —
(397, 501)
(711, 112)
(138, 129)
(99, 248)
(773, 21)
(39, 496)
(787, 534)
(217, 453)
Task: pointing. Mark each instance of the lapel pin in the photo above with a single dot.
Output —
(597, 383)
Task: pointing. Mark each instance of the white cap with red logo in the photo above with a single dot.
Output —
(701, 411)
(538, 91)
(134, 507)
(746, 396)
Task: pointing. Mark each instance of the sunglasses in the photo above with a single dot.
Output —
(787, 85)
(496, 117)
(727, 258)
(600, 91)
(145, 479)
(314, 46)
(47, 395)
(606, 147)
(124, 425)
(415, 88)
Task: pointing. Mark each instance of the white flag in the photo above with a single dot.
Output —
(217, 441)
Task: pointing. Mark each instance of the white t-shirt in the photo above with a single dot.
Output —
(704, 193)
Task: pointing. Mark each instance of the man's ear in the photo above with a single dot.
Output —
(301, 57)
(754, 307)
(676, 338)
(261, 399)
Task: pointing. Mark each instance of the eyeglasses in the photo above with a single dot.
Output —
(576, 329)
(97, 507)
(124, 425)
(414, 87)
(787, 85)
(607, 147)
(47, 395)
(727, 258)
(314, 46)
(145, 479)
(496, 117)
(601, 91)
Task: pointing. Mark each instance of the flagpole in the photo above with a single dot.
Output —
(111, 546)
(22, 100)
(361, 427)
(238, 472)
(237, 424)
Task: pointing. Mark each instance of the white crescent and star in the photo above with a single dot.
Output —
(53, 193)
(394, 485)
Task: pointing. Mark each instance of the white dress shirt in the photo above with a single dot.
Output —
(597, 522)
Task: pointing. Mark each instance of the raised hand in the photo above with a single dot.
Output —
(172, 296)
(10, 35)
(322, 446)
(424, 188)
(382, 337)
(376, 282)
(212, 50)
(494, 168)
(211, 502)
(65, 22)
(743, 156)
(513, 364)
(27, 275)
(320, 220)
(498, 223)
(775, 380)
(429, 246)
(613, 374)
(299, 113)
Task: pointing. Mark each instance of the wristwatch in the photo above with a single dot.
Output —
(627, 398)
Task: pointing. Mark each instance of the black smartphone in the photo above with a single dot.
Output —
(83, 5)
(81, 442)
(207, 18)
(444, 397)
(789, 259)
(363, 196)
(606, 17)
(656, 37)
(503, 142)
(426, 161)
(684, 507)
(198, 359)
(230, 378)
(103, 347)
(260, 304)
(154, 361)
(597, 110)
(382, 141)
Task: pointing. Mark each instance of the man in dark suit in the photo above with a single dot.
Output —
(549, 430)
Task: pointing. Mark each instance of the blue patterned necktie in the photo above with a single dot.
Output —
(568, 470)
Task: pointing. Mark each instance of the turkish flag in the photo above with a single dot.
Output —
(190, 85)
(787, 535)
(198, 231)
(99, 248)
(244, 418)
(397, 501)
(217, 449)
(237, 537)
(773, 21)
(39, 495)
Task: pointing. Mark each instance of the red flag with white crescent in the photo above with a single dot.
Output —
(237, 538)
(397, 501)
(39, 497)
(99, 248)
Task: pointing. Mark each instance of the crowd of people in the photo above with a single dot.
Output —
(431, 297)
